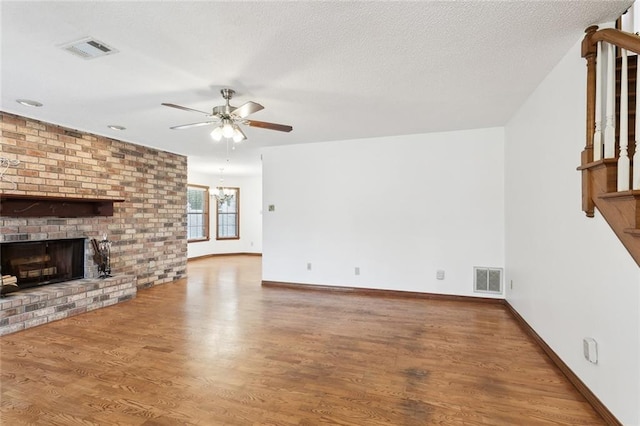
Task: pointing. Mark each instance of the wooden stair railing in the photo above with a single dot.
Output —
(608, 181)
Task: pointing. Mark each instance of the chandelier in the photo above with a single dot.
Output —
(223, 195)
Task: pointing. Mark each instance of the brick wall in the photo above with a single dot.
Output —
(148, 229)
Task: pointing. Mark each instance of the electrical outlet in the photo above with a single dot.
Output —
(357, 270)
(440, 274)
(272, 208)
(309, 266)
(511, 284)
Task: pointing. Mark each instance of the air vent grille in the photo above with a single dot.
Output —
(487, 280)
(88, 48)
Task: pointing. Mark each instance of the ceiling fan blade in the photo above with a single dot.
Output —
(270, 126)
(188, 126)
(185, 108)
(247, 108)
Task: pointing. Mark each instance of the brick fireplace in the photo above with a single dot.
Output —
(147, 227)
(50, 283)
(37, 263)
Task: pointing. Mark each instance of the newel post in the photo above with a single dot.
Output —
(589, 52)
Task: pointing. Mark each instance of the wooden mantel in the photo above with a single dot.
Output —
(16, 205)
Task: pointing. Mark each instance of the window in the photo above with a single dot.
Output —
(228, 213)
(197, 213)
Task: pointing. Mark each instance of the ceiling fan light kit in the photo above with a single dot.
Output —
(238, 135)
(229, 131)
(227, 119)
(216, 134)
(227, 128)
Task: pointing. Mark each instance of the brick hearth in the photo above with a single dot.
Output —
(40, 305)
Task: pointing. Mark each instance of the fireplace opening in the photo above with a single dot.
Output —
(35, 263)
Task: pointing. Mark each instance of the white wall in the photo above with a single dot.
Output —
(399, 208)
(572, 278)
(250, 216)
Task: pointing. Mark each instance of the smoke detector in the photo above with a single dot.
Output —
(88, 48)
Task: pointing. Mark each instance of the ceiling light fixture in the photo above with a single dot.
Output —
(227, 129)
(238, 136)
(116, 127)
(28, 102)
(223, 195)
(216, 134)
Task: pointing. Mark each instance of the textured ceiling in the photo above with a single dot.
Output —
(333, 70)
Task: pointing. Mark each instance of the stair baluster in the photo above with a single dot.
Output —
(636, 153)
(597, 135)
(610, 112)
(623, 159)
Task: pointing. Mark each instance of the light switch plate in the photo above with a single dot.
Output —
(590, 348)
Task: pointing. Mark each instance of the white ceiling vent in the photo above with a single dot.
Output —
(487, 280)
(88, 48)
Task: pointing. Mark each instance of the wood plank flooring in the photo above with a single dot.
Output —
(218, 349)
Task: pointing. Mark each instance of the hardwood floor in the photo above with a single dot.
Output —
(218, 349)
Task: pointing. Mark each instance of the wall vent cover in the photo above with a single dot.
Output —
(88, 48)
(487, 280)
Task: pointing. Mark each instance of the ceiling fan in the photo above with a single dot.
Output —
(227, 119)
